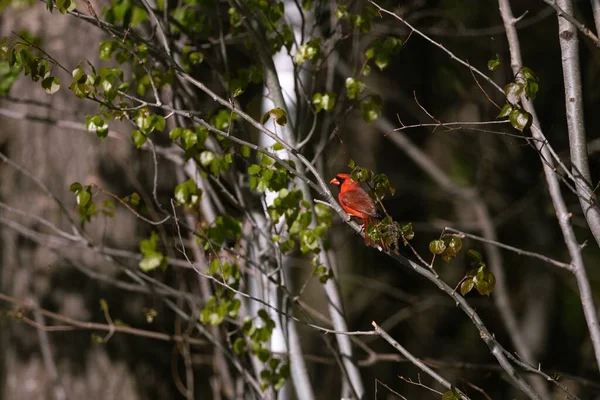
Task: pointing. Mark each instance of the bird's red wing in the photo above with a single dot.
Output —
(359, 202)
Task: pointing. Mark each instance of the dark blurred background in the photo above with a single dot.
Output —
(506, 171)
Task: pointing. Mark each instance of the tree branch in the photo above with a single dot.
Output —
(564, 10)
(585, 291)
(418, 363)
(569, 46)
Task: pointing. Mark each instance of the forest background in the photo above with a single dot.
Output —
(168, 229)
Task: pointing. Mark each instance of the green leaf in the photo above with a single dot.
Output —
(254, 169)
(206, 158)
(341, 12)
(103, 305)
(519, 119)
(278, 146)
(381, 51)
(308, 51)
(531, 89)
(474, 255)
(214, 266)
(248, 327)
(288, 36)
(506, 110)
(277, 114)
(106, 49)
(138, 138)
(196, 58)
(96, 124)
(324, 101)
(485, 281)
(97, 338)
(75, 187)
(175, 134)
(392, 44)
(263, 355)
(262, 314)
(152, 258)
(188, 193)
(134, 199)
(513, 92)
(372, 108)
(223, 119)
(189, 138)
(239, 346)
(453, 247)
(494, 63)
(366, 70)
(150, 314)
(82, 84)
(382, 60)
(78, 73)
(8, 76)
(528, 74)
(245, 151)
(449, 395)
(354, 87)
(234, 308)
(65, 6)
(51, 84)
(437, 247)
(466, 286)
(531, 83)
(407, 231)
(149, 245)
(83, 197)
(157, 122)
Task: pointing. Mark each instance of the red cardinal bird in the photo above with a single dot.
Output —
(356, 202)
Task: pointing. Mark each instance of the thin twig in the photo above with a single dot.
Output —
(94, 326)
(549, 260)
(444, 49)
(418, 363)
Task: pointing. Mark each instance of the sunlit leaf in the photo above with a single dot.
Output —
(505, 111)
(437, 246)
(494, 63)
(466, 286)
(51, 84)
(519, 119)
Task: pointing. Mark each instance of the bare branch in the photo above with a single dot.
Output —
(566, 12)
(418, 363)
(569, 45)
(438, 45)
(585, 291)
(549, 260)
(94, 326)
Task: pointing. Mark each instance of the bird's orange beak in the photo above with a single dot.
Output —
(334, 181)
